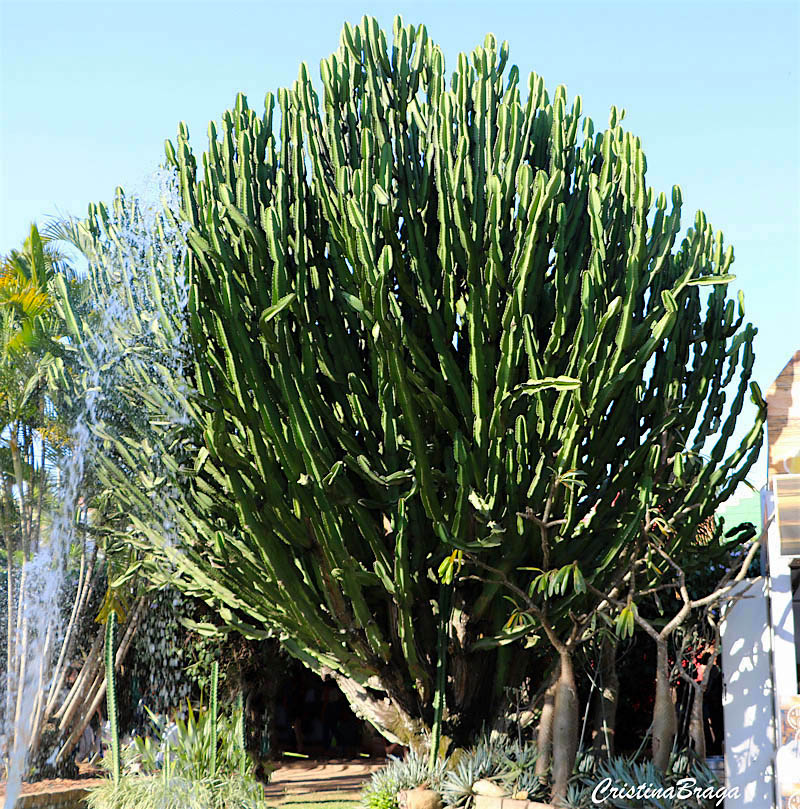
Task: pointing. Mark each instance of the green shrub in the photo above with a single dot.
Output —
(512, 765)
(182, 759)
(175, 792)
(189, 747)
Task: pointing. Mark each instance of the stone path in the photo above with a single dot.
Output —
(305, 777)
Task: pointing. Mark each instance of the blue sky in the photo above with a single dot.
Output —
(89, 91)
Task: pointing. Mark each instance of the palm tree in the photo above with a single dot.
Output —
(33, 425)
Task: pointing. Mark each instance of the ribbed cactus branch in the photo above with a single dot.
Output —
(214, 708)
(111, 694)
(240, 730)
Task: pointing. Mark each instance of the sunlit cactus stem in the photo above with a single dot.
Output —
(214, 708)
(240, 731)
(111, 694)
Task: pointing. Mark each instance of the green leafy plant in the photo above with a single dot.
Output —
(193, 748)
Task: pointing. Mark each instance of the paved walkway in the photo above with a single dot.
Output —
(305, 777)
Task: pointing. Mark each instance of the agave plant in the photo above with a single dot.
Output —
(494, 758)
(622, 771)
(415, 770)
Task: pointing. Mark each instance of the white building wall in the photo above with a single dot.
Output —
(748, 698)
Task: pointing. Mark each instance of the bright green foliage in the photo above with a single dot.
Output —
(199, 746)
(111, 694)
(33, 418)
(419, 309)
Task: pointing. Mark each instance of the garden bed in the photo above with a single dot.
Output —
(57, 793)
(336, 780)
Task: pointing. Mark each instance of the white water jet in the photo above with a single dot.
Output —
(143, 235)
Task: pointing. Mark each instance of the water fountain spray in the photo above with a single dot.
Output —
(144, 231)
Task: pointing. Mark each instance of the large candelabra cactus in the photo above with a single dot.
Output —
(432, 327)
(423, 313)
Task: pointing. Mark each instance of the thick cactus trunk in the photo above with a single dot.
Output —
(389, 718)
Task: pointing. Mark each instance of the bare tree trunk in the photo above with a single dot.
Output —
(21, 661)
(29, 455)
(697, 732)
(10, 623)
(40, 499)
(565, 729)
(81, 595)
(664, 721)
(605, 705)
(9, 620)
(697, 728)
(84, 678)
(16, 461)
(23, 581)
(36, 718)
(544, 735)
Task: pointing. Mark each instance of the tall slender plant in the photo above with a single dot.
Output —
(214, 709)
(111, 694)
(36, 416)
